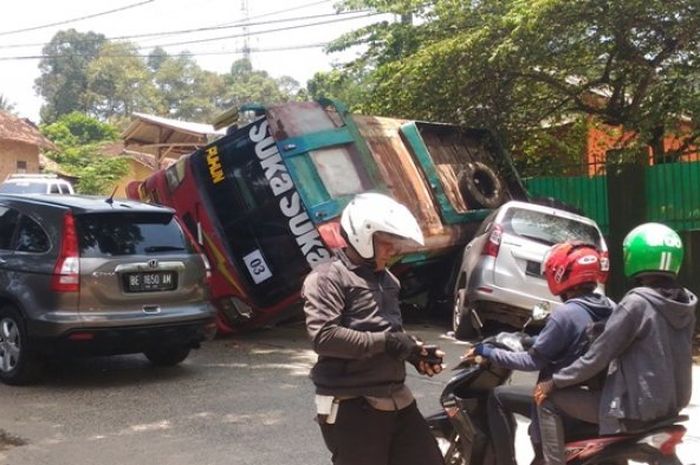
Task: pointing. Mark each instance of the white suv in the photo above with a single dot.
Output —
(35, 184)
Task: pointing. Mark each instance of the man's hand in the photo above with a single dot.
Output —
(476, 355)
(402, 346)
(430, 361)
(543, 390)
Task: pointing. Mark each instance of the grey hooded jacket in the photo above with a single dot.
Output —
(647, 346)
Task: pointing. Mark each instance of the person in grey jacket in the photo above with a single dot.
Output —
(646, 346)
(367, 415)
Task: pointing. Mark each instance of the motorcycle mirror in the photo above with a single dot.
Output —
(540, 311)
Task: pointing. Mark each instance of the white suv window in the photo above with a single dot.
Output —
(36, 186)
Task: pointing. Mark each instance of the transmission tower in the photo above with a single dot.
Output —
(246, 34)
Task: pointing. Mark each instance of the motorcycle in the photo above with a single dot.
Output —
(462, 432)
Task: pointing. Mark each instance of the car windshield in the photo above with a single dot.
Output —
(549, 229)
(111, 234)
(22, 188)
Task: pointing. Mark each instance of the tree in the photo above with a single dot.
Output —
(63, 81)
(6, 105)
(78, 129)
(512, 64)
(79, 137)
(119, 83)
(345, 85)
(185, 90)
(246, 85)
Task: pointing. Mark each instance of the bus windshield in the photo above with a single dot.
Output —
(271, 239)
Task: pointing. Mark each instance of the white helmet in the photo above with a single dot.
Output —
(369, 213)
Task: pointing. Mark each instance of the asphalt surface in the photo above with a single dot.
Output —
(240, 400)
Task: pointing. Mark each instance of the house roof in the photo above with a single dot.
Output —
(164, 137)
(22, 130)
(117, 149)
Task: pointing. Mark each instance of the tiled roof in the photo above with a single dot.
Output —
(22, 130)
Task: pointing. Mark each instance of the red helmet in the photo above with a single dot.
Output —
(569, 264)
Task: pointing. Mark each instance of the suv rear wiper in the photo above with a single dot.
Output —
(163, 248)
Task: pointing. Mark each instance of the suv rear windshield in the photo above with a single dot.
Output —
(548, 229)
(111, 234)
(23, 188)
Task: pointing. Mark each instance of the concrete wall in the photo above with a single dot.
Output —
(137, 172)
(11, 152)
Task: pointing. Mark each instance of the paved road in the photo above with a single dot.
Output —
(243, 400)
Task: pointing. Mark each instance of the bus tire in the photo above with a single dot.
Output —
(480, 186)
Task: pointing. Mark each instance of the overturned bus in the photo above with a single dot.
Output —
(264, 201)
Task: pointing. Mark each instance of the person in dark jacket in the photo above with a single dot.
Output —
(646, 346)
(573, 271)
(368, 416)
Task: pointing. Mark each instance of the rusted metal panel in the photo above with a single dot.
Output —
(300, 118)
(399, 170)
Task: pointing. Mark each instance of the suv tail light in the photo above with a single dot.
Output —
(494, 242)
(66, 272)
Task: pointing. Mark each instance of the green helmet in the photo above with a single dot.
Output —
(652, 248)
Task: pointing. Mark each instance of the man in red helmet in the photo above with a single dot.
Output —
(573, 271)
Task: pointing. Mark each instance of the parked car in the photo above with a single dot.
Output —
(500, 275)
(98, 276)
(36, 184)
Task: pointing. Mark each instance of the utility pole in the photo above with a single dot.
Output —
(246, 35)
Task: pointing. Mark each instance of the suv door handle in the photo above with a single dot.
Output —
(2, 261)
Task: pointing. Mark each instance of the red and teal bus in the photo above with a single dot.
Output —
(264, 201)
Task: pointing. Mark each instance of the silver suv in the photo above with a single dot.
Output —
(500, 274)
(98, 276)
(36, 184)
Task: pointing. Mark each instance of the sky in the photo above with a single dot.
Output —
(300, 58)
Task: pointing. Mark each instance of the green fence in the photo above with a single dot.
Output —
(672, 193)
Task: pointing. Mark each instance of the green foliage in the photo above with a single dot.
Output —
(510, 65)
(78, 128)
(185, 90)
(100, 174)
(110, 80)
(555, 150)
(119, 82)
(79, 138)
(63, 81)
(338, 84)
(246, 85)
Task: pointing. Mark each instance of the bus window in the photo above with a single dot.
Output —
(175, 173)
(341, 173)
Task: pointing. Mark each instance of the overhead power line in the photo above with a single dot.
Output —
(192, 54)
(267, 31)
(352, 15)
(277, 12)
(73, 20)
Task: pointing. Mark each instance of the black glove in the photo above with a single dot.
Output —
(402, 346)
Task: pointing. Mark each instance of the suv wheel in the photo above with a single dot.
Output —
(462, 322)
(167, 356)
(18, 365)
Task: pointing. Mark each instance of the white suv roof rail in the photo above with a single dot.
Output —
(32, 176)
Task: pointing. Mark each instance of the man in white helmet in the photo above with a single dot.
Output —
(367, 414)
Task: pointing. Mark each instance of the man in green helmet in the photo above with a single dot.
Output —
(646, 347)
